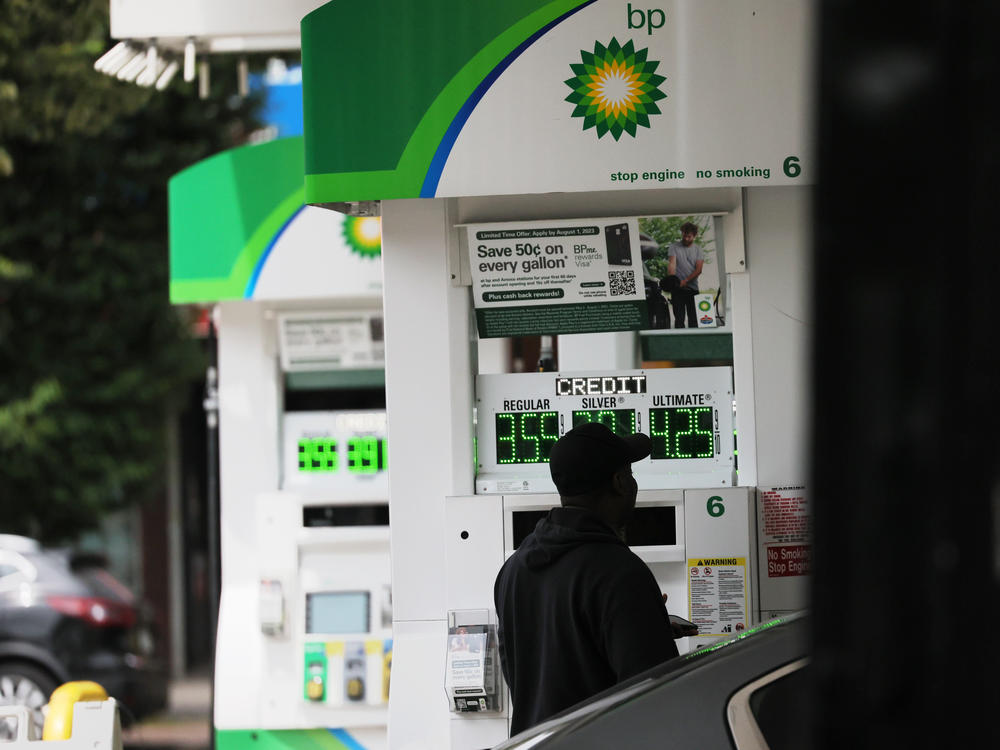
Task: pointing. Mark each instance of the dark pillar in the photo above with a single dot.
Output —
(906, 469)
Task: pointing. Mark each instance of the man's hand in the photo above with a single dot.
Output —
(679, 627)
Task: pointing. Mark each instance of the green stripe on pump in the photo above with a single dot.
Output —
(279, 739)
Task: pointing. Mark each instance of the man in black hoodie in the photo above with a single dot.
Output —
(578, 611)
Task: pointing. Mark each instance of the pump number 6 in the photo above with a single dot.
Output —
(715, 507)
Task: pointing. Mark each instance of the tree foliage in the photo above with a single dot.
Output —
(90, 350)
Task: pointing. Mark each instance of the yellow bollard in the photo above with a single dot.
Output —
(59, 721)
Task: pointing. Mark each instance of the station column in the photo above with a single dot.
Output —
(429, 371)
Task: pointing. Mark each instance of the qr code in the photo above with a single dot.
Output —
(622, 282)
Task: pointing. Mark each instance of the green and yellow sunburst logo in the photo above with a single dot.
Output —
(615, 89)
(364, 235)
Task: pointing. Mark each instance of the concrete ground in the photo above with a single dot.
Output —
(186, 723)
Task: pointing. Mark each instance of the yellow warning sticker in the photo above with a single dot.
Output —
(699, 561)
(717, 595)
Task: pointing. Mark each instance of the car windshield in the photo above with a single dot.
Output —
(640, 684)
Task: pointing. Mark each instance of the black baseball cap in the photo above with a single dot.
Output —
(588, 455)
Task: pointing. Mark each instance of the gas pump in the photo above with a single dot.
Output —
(518, 160)
(675, 529)
(694, 527)
(711, 544)
(316, 568)
(325, 599)
(304, 641)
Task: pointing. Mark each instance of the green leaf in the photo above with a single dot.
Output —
(92, 355)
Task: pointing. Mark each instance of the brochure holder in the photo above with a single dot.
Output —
(472, 676)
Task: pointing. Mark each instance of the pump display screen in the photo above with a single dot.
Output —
(688, 413)
(619, 421)
(343, 450)
(318, 454)
(525, 437)
(685, 432)
(337, 612)
(365, 455)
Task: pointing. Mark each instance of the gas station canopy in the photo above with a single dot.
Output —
(159, 37)
(540, 96)
(239, 230)
(214, 25)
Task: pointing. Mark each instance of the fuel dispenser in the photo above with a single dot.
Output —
(505, 186)
(304, 640)
(693, 525)
(305, 626)
(325, 602)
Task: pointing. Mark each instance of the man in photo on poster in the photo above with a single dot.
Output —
(687, 259)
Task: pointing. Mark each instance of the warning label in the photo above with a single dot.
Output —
(785, 516)
(717, 590)
(788, 560)
(785, 531)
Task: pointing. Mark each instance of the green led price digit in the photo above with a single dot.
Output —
(529, 437)
(682, 432)
(506, 446)
(317, 454)
(539, 430)
(365, 455)
(692, 443)
(525, 437)
(659, 432)
(619, 421)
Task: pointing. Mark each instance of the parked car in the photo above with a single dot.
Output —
(64, 617)
(745, 693)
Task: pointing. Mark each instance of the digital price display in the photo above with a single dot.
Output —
(336, 450)
(526, 437)
(619, 421)
(686, 411)
(682, 432)
(365, 455)
(317, 454)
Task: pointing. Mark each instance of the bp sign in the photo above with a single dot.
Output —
(535, 96)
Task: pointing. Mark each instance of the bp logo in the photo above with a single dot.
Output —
(704, 305)
(615, 89)
(363, 235)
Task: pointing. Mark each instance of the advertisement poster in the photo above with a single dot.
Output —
(595, 275)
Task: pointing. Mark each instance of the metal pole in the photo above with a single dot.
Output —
(211, 405)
